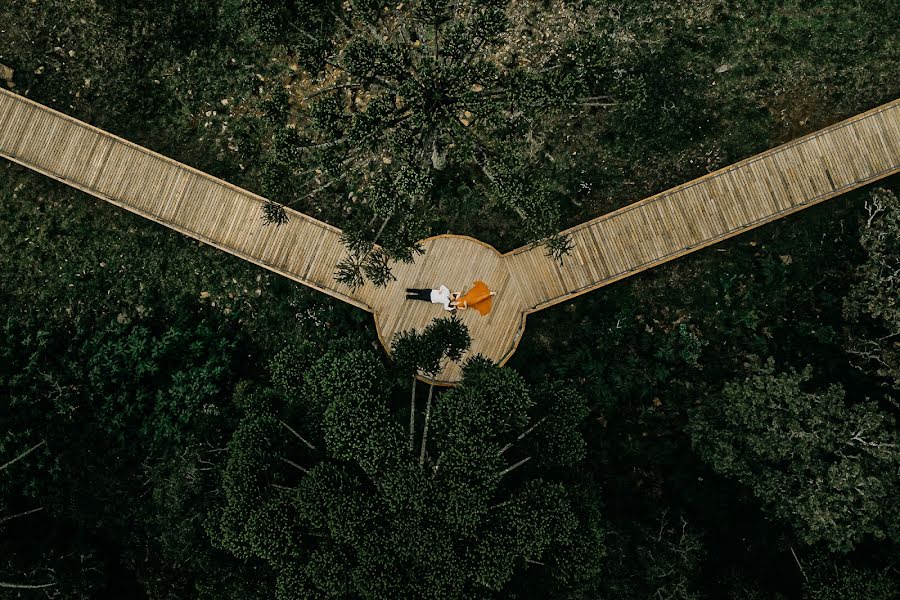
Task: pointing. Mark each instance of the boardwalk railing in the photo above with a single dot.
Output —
(717, 206)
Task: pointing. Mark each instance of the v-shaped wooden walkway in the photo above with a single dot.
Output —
(714, 207)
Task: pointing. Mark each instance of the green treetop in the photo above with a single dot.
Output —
(874, 301)
(830, 579)
(828, 466)
(322, 485)
(411, 98)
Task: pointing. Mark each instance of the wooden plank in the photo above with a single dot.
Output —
(77, 164)
(680, 208)
(837, 166)
(875, 131)
(768, 169)
(778, 170)
(35, 140)
(132, 188)
(857, 159)
(638, 237)
(593, 254)
(602, 233)
(737, 199)
(8, 106)
(812, 172)
(722, 203)
(848, 159)
(16, 122)
(662, 228)
(891, 128)
(622, 239)
(826, 162)
(861, 141)
(755, 207)
(52, 146)
(619, 237)
(690, 214)
(880, 138)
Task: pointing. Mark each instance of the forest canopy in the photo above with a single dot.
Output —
(176, 423)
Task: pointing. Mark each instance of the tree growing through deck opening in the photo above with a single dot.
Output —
(426, 353)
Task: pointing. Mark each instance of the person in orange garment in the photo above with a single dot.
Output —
(479, 297)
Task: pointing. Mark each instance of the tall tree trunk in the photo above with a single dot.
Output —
(412, 417)
(425, 429)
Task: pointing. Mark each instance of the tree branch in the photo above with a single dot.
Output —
(328, 144)
(21, 514)
(519, 439)
(293, 464)
(513, 467)
(412, 416)
(21, 456)
(298, 436)
(802, 572)
(331, 89)
(22, 586)
(425, 429)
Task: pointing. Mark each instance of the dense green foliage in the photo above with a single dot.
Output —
(410, 98)
(847, 582)
(176, 424)
(873, 304)
(320, 484)
(828, 468)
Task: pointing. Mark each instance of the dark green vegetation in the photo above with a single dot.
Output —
(338, 513)
(177, 424)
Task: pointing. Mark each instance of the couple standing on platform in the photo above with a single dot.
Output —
(479, 297)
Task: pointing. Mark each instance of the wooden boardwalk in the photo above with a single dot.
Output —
(714, 207)
(655, 230)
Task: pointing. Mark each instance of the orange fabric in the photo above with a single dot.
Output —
(479, 298)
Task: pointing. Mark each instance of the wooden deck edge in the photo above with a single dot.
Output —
(717, 173)
(193, 234)
(710, 242)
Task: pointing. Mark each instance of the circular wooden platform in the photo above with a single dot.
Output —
(455, 261)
